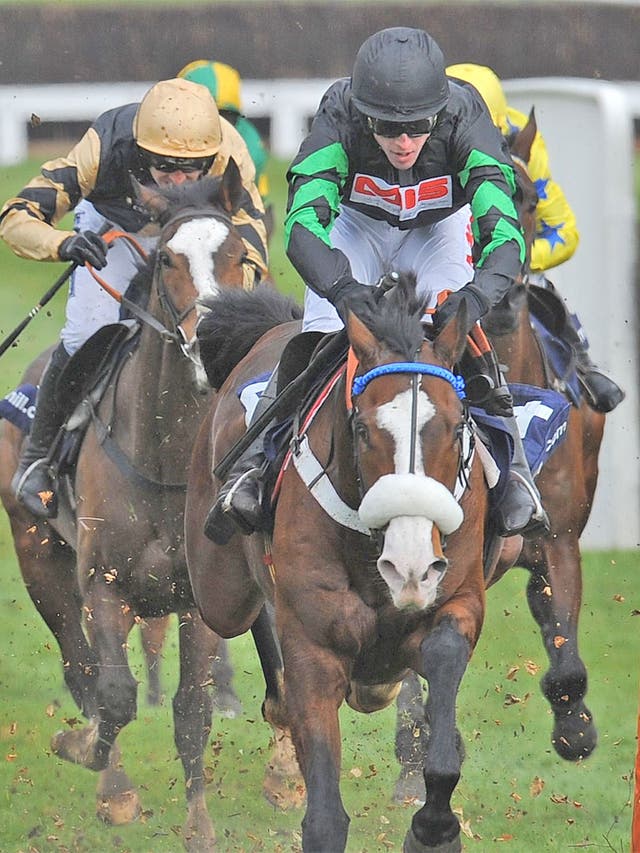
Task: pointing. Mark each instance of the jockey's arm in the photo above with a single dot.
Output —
(27, 222)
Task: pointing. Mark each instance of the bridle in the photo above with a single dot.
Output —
(416, 370)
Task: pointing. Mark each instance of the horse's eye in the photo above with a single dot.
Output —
(165, 259)
(361, 432)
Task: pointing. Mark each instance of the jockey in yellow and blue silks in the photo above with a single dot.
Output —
(557, 234)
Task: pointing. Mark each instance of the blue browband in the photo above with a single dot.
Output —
(456, 381)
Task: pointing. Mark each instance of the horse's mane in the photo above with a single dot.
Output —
(235, 321)
(193, 194)
(396, 322)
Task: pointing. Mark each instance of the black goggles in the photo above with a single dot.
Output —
(178, 164)
(392, 129)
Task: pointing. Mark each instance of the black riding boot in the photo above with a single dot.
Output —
(520, 510)
(32, 483)
(600, 391)
(238, 507)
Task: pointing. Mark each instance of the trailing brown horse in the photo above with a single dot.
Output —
(567, 484)
(365, 587)
(124, 516)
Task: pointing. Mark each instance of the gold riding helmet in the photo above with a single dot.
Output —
(221, 80)
(488, 85)
(177, 123)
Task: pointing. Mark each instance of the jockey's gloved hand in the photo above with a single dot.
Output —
(347, 294)
(476, 302)
(85, 247)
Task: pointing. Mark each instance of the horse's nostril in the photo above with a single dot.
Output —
(439, 565)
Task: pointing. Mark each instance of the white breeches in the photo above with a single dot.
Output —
(89, 307)
(439, 255)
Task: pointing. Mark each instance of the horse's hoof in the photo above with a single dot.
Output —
(119, 809)
(198, 833)
(412, 845)
(227, 704)
(409, 789)
(574, 735)
(78, 747)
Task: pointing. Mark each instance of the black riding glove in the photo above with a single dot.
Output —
(85, 247)
(347, 294)
(476, 302)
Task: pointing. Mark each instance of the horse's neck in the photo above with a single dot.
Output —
(520, 352)
(157, 408)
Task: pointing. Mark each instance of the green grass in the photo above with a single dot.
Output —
(47, 805)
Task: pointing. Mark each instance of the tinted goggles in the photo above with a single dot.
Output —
(178, 164)
(392, 129)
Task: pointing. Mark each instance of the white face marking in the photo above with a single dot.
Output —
(395, 418)
(199, 240)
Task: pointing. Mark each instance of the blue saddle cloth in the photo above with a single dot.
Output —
(19, 406)
(561, 359)
(543, 417)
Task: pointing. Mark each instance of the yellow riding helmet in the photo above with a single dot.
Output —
(487, 83)
(221, 80)
(177, 118)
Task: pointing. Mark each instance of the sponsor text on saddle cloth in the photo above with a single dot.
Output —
(541, 413)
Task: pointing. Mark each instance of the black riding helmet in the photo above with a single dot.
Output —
(399, 76)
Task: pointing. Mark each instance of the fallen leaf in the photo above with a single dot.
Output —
(559, 641)
(536, 787)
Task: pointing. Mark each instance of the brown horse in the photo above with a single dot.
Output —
(124, 516)
(365, 587)
(567, 485)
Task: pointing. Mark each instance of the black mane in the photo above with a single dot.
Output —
(396, 323)
(235, 321)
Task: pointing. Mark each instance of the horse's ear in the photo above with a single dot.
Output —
(523, 140)
(452, 338)
(363, 342)
(231, 188)
(150, 198)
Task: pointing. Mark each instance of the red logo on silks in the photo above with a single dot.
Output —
(469, 235)
(403, 202)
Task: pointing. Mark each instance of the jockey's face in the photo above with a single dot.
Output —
(402, 151)
(173, 179)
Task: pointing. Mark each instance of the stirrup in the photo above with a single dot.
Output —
(36, 489)
(538, 523)
(226, 518)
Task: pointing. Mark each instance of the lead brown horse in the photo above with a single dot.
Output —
(125, 508)
(376, 568)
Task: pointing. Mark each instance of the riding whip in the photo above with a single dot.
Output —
(6, 343)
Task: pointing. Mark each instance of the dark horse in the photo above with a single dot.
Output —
(125, 513)
(365, 588)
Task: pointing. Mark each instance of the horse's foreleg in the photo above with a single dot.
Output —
(225, 698)
(554, 593)
(411, 740)
(108, 623)
(283, 785)
(316, 687)
(445, 653)
(48, 570)
(192, 712)
(153, 633)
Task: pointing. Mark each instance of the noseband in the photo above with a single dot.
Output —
(416, 370)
